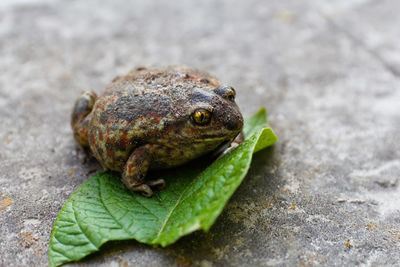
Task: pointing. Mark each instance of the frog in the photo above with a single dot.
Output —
(155, 118)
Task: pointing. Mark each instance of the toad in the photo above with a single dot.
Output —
(155, 118)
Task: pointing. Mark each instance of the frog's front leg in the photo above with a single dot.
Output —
(135, 170)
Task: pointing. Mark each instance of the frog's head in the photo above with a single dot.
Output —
(215, 118)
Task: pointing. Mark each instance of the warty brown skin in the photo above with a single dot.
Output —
(155, 118)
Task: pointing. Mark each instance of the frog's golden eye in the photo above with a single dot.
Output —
(201, 116)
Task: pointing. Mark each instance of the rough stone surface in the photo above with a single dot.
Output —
(328, 72)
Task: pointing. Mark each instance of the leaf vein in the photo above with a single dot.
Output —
(108, 211)
(150, 212)
(80, 227)
(176, 204)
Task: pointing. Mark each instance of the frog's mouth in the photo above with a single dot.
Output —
(221, 148)
(210, 138)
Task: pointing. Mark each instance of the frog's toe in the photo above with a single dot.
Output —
(144, 189)
(157, 184)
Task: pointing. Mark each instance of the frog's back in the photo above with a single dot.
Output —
(155, 79)
(145, 101)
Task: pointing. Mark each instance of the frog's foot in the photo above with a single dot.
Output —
(146, 188)
(79, 117)
(157, 184)
(227, 147)
(238, 140)
(83, 106)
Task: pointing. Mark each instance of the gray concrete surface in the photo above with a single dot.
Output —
(328, 71)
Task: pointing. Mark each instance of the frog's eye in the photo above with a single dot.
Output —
(226, 92)
(231, 94)
(201, 116)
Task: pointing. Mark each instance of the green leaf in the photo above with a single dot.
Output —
(102, 209)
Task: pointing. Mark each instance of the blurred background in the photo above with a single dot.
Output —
(327, 72)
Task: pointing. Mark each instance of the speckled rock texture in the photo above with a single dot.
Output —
(328, 71)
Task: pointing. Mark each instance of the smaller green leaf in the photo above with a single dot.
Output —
(256, 123)
(102, 209)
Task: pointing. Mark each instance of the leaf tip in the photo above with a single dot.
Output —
(262, 110)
